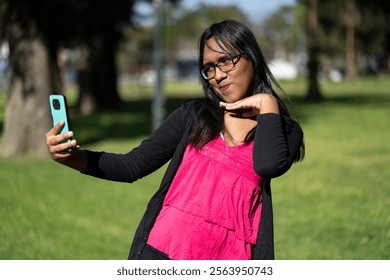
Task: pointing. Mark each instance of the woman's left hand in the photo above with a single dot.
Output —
(251, 106)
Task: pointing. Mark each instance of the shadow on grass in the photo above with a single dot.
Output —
(304, 110)
(345, 100)
(135, 120)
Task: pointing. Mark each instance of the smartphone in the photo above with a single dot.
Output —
(59, 112)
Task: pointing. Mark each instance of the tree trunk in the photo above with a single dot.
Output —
(98, 75)
(32, 70)
(350, 22)
(313, 93)
(86, 102)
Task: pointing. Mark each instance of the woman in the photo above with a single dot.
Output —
(214, 201)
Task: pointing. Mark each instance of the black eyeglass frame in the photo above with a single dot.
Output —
(234, 60)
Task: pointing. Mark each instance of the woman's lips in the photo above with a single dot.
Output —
(224, 87)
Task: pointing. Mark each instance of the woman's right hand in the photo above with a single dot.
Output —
(60, 151)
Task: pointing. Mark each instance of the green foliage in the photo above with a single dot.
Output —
(284, 30)
(181, 31)
(373, 33)
(2, 15)
(70, 20)
(333, 205)
(192, 24)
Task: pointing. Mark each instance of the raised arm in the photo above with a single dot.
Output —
(150, 155)
(274, 149)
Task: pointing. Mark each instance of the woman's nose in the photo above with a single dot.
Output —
(219, 74)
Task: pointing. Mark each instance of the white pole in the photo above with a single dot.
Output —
(157, 102)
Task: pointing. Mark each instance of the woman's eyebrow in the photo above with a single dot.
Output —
(221, 57)
(208, 64)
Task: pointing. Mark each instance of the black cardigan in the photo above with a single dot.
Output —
(273, 155)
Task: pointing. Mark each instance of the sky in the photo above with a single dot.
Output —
(257, 10)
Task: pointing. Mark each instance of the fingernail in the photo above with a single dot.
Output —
(70, 134)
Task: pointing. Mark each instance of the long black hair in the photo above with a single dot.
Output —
(233, 37)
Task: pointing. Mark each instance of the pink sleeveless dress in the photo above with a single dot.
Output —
(212, 210)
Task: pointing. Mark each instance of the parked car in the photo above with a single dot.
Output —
(149, 77)
(283, 70)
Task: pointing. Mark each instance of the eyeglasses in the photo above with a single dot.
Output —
(225, 65)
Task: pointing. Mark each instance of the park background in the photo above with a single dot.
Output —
(333, 205)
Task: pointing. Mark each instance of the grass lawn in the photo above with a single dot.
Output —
(333, 205)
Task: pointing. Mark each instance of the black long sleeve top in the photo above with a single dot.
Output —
(274, 152)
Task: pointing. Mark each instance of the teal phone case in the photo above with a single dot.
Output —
(59, 111)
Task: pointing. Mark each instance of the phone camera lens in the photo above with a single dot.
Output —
(56, 104)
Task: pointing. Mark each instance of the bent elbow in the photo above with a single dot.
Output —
(272, 169)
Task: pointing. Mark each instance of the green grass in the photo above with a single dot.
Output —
(333, 205)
